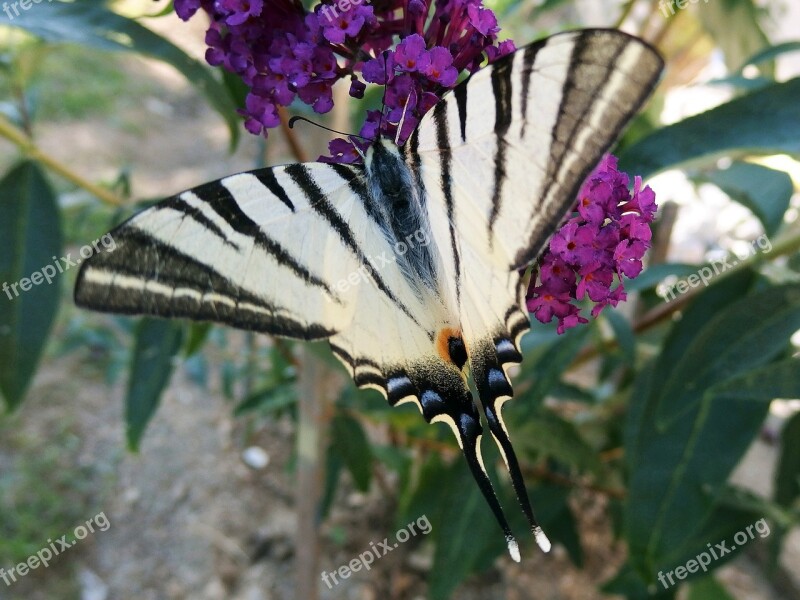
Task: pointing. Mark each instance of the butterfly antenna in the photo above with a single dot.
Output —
(494, 390)
(294, 120)
(385, 87)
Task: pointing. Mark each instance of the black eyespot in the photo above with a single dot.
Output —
(457, 351)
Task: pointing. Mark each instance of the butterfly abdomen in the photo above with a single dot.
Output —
(397, 201)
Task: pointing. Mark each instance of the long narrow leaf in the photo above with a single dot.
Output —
(30, 272)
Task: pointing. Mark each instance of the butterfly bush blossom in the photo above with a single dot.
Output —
(417, 49)
(282, 51)
(606, 238)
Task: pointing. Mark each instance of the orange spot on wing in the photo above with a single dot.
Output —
(443, 342)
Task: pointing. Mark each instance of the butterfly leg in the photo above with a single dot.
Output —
(494, 390)
(458, 410)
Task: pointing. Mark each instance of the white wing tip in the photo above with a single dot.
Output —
(541, 539)
(513, 549)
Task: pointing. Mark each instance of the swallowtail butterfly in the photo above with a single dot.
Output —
(410, 264)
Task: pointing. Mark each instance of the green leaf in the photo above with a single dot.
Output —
(743, 499)
(708, 588)
(722, 526)
(549, 368)
(350, 442)
(776, 380)
(766, 192)
(333, 470)
(679, 460)
(198, 334)
(424, 495)
(545, 434)
(623, 332)
(787, 475)
(629, 583)
(741, 338)
(767, 122)
(707, 304)
(30, 238)
(734, 26)
(466, 536)
(268, 400)
(158, 341)
(551, 503)
(710, 302)
(92, 24)
(770, 53)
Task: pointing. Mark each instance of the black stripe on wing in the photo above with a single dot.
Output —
(219, 199)
(319, 202)
(501, 86)
(178, 204)
(358, 185)
(143, 275)
(527, 67)
(446, 159)
(267, 177)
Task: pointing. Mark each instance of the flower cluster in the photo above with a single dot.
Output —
(606, 238)
(282, 51)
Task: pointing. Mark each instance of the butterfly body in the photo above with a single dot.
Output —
(408, 265)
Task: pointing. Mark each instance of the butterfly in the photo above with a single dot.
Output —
(410, 263)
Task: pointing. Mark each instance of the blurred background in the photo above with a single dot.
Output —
(666, 425)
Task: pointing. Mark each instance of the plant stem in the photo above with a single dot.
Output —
(626, 10)
(18, 137)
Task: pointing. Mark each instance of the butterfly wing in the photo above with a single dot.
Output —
(501, 159)
(283, 250)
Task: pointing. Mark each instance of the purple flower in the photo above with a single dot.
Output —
(185, 9)
(241, 10)
(283, 52)
(260, 113)
(438, 67)
(603, 243)
(483, 20)
(357, 88)
(410, 52)
(380, 69)
(345, 24)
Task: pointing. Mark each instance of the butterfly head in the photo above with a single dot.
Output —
(382, 150)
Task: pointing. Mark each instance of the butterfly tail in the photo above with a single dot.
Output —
(462, 416)
(494, 390)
